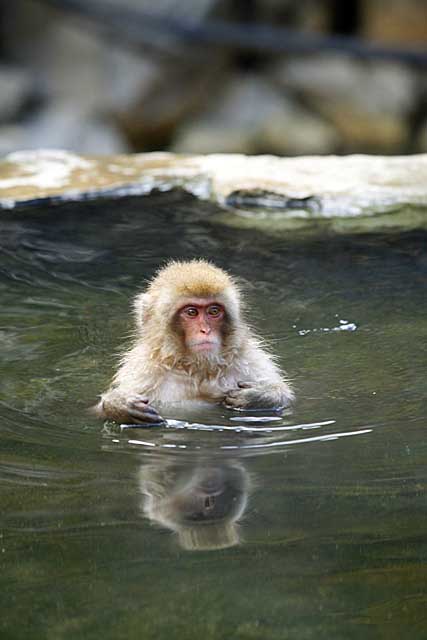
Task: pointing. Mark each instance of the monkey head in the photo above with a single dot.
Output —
(195, 304)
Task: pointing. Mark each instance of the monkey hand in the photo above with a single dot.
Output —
(256, 396)
(134, 409)
(139, 411)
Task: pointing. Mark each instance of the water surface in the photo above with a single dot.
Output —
(314, 526)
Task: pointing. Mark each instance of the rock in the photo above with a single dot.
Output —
(12, 137)
(167, 100)
(373, 85)
(395, 21)
(297, 131)
(368, 103)
(73, 63)
(422, 139)
(343, 187)
(63, 126)
(206, 135)
(16, 87)
(252, 116)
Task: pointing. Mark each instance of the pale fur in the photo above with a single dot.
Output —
(159, 368)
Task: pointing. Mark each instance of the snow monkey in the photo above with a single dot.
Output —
(192, 346)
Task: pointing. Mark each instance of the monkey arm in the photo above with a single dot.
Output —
(132, 408)
(124, 402)
(262, 384)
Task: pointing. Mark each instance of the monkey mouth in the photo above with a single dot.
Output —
(204, 345)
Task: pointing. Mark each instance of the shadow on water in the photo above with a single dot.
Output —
(310, 524)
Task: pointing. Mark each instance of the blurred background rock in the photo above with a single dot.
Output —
(101, 77)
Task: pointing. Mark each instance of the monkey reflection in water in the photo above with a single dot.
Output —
(192, 347)
(201, 504)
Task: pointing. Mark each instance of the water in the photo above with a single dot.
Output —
(312, 527)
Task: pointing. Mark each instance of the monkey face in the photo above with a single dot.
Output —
(201, 321)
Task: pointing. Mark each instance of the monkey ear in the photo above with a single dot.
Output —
(140, 306)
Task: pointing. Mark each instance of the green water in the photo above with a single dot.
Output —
(321, 517)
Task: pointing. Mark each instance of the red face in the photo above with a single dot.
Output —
(201, 321)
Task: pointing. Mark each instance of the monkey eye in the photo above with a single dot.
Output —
(214, 310)
(191, 312)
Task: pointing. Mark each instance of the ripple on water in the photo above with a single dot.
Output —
(239, 438)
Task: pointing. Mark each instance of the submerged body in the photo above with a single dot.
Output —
(192, 346)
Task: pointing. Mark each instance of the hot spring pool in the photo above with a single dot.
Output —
(318, 520)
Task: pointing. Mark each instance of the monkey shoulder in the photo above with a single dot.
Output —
(255, 363)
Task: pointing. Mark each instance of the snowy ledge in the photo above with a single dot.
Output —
(310, 186)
